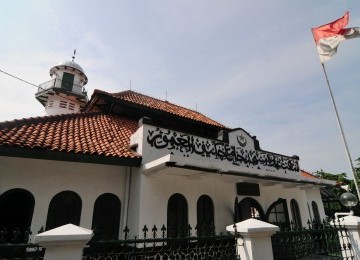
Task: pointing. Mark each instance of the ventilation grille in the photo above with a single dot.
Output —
(50, 103)
(63, 104)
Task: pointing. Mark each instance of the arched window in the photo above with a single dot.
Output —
(250, 208)
(177, 216)
(315, 209)
(277, 214)
(106, 217)
(295, 213)
(16, 211)
(205, 216)
(64, 208)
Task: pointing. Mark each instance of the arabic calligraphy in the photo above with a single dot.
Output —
(188, 145)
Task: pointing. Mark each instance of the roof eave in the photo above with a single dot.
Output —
(43, 154)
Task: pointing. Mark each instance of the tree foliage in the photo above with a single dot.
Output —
(341, 180)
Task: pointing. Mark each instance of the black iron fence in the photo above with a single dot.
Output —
(155, 244)
(15, 244)
(318, 241)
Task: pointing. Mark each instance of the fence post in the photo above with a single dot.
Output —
(65, 242)
(256, 239)
(352, 225)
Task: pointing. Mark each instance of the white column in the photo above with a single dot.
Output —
(352, 224)
(65, 242)
(256, 242)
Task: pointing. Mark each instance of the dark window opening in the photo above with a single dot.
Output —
(250, 208)
(177, 216)
(16, 212)
(64, 208)
(205, 216)
(67, 81)
(295, 214)
(315, 209)
(106, 217)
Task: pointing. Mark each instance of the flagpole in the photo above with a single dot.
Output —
(342, 131)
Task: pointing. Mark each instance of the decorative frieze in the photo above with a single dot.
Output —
(193, 146)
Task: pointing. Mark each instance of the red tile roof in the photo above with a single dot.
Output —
(307, 174)
(157, 104)
(83, 133)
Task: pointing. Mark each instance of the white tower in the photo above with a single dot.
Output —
(65, 92)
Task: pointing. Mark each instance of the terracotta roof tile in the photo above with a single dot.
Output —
(83, 133)
(307, 174)
(157, 104)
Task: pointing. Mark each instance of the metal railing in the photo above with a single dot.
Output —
(318, 241)
(16, 244)
(58, 83)
(155, 244)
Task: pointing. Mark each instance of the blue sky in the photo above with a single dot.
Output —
(248, 64)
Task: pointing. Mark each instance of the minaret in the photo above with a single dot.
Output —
(65, 92)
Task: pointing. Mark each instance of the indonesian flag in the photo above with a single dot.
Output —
(328, 37)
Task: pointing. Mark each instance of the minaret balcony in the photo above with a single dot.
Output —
(60, 87)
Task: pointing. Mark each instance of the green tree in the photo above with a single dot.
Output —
(333, 205)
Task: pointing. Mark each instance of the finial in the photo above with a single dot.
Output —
(73, 57)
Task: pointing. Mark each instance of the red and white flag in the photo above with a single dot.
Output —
(328, 37)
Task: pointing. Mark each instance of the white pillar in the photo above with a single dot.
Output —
(256, 242)
(352, 224)
(65, 242)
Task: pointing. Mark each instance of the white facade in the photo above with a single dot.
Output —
(146, 202)
(45, 178)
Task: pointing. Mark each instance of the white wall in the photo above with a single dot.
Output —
(156, 191)
(45, 178)
(314, 195)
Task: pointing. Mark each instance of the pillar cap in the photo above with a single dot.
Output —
(253, 226)
(68, 232)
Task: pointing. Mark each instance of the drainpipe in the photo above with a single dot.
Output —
(127, 196)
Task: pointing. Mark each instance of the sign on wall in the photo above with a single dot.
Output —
(239, 150)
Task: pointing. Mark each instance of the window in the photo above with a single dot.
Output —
(250, 208)
(277, 214)
(295, 214)
(16, 211)
(67, 81)
(177, 216)
(315, 209)
(205, 216)
(106, 217)
(64, 208)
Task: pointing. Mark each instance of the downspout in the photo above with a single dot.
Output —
(127, 196)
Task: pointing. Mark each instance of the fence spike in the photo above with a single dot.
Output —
(309, 223)
(145, 230)
(126, 232)
(163, 230)
(154, 230)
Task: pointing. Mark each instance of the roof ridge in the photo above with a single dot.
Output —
(123, 93)
(51, 118)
